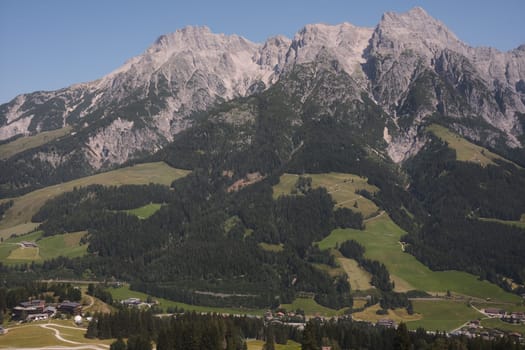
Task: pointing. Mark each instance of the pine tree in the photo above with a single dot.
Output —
(270, 339)
(402, 338)
(309, 342)
(118, 344)
(92, 329)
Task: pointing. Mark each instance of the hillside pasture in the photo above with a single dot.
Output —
(399, 315)
(381, 241)
(18, 230)
(28, 142)
(443, 315)
(26, 206)
(311, 308)
(124, 292)
(466, 151)
(67, 245)
(342, 187)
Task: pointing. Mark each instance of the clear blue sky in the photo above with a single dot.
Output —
(46, 45)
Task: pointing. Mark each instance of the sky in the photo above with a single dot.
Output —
(47, 45)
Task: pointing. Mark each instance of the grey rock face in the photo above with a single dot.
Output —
(411, 65)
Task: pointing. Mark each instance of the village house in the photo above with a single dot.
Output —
(386, 322)
(26, 308)
(494, 312)
(70, 307)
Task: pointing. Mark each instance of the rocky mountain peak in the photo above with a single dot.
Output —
(345, 42)
(415, 30)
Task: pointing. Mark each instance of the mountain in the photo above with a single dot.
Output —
(411, 66)
(431, 128)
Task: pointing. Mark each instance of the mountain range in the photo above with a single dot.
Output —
(410, 67)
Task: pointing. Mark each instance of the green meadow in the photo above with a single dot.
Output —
(145, 211)
(381, 241)
(27, 205)
(67, 245)
(465, 151)
(311, 308)
(442, 315)
(341, 186)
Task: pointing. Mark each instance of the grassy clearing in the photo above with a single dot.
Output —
(520, 223)
(465, 151)
(398, 315)
(359, 278)
(311, 308)
(146, 211)
(381, 241)
(331, 271)
(67, 245)
(24, 143)
(27, 205)
(254, 344)
(276, 248)
(341, 187)
(443, 315)
(124, 292)
(503, 326)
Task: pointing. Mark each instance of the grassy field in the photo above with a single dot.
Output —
(341, 187)
(398, 315)
(443, 315)
(27, 142)
(18, 230)
(311, 308)
(465, 151)
(503, 326)
(381, 241)
(258, 345)
(33, 335)
(124, 292)
(146, 211)
(67, 245)
(27, 205)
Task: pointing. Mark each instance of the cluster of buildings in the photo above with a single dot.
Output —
(475, 329)
(510, 317)
(137, 303)
(34, 310)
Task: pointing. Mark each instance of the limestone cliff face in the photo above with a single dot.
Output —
(411, 52)
(410, 65)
